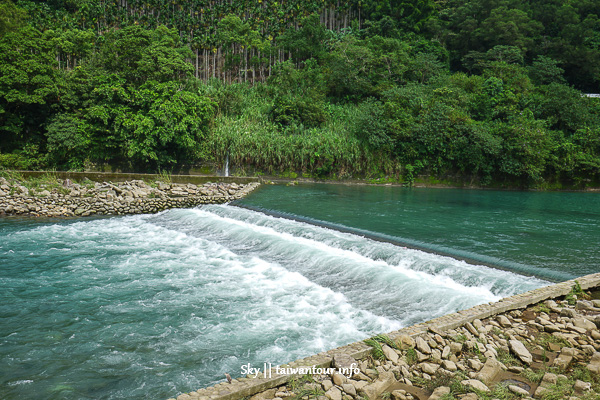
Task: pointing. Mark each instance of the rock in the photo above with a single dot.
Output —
(490, 369)
(349, 388)
(549, 379)
(456, 348)
(470, 396)
(390, 353)
(594, 365)
(405, 342)
(373, 390)
(568, 312)
(359, 385)
(338, 378)
(327, 384)
(595, 335)
(399, 394)
(539, 392)
(564, 359)
(421, 357)
(266, 395)
(446, 352)
(475, 364)
(429, 368)
(361, 377)
(584, 305)
(551, 328)
(503, 321)
(471, 329)
(581, 387)
(518, 390)
(584, 324)
(184, 396)
(334, 394)
(520, 351)
(344, 362)
(422, 345)
(439, 392)
(475, 384)
(449, 365)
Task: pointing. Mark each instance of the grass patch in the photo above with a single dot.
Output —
(376, 343)
(296, 383)
(377, 351)
(542, 308)
(544, 339)
(411, 356)
(533, 376)
(508, 359)
(562, 389)
(575, 294)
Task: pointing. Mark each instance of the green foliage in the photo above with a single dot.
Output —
(289, 110)
(575, 294)
(377, 351)
(11, 17)
(354, 89)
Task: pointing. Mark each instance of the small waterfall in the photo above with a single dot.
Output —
(227, 164)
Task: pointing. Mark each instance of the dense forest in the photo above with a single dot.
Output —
(486, 91)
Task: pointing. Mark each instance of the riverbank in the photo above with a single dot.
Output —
(50, 196)
(543, 344)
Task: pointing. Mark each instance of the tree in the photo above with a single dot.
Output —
(28, 86)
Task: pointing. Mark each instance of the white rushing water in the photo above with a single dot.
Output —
(154, 305)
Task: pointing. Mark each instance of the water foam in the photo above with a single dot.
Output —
(101, 308)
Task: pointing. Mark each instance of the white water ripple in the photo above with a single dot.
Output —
(153, 305)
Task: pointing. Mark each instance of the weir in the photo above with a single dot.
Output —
(248, 386)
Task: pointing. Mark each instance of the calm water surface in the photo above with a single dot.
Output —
(150, 306)
(549, 234)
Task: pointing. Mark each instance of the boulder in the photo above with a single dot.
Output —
(439, 392)
(518, 390)
(349, 388)
(344, 362)
(374, 390)
(449, 365)
(490, 369)
(503, 321)
(390, 353)
(520, 351)
(475, 384)
(334, 394)
(422, 345)
(429, 368)
(584, 324)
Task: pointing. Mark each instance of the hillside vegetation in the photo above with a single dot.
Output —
(488, 91)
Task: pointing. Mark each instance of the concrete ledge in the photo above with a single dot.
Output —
(244, 387)
(123, 176)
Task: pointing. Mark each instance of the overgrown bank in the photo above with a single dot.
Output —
(488, 92)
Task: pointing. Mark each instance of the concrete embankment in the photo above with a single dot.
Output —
(65, 198)
(542, 344)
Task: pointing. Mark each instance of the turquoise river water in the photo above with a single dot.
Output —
(150, 306)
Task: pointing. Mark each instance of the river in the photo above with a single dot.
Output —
(154, 305)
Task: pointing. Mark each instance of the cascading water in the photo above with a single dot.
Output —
(153, 305)
(227, 164)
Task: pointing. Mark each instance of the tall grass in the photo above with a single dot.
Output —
(251, 139)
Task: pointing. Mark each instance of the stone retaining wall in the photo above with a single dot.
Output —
(244, 387)
(64, 198)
